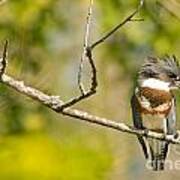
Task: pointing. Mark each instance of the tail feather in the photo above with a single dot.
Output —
(158, 153)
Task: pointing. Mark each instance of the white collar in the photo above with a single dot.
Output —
(156, 84)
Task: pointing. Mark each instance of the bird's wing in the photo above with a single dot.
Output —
(171, 119)
(137, 120)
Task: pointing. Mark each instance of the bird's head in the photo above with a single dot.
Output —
(163, 73)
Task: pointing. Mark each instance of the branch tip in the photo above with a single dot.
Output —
(3, 61)
(117, 27)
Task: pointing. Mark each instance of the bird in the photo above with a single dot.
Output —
(153, 106)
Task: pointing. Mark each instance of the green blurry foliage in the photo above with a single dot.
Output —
(27, 25)
(39, 156)
(45, 45)
(36, 143)
(156, 35)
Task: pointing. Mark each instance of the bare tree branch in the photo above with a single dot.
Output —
(87, 54)
(116, 28)
(54, 102)
(57, 105)
(86, 44)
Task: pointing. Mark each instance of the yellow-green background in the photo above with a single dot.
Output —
(45, 47)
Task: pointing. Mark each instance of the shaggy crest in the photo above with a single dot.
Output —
(167, 67)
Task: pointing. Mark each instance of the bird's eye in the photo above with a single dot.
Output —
(173, 76)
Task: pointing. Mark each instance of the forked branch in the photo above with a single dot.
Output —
(117, 27)
(85, 46)
(54, 102)
(87, 54)
(57, 105)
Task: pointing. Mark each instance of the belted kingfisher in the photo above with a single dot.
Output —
(153, 106)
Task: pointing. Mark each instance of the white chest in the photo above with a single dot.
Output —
(156, 84)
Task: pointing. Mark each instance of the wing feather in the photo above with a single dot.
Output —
(137, 120)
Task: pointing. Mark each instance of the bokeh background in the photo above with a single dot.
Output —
(45, 47)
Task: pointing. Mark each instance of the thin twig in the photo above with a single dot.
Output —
(116, 28)
(85, 46)
(94, 71)
(137, 19)
(4, 60)
(87, 53)
(93, 87)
